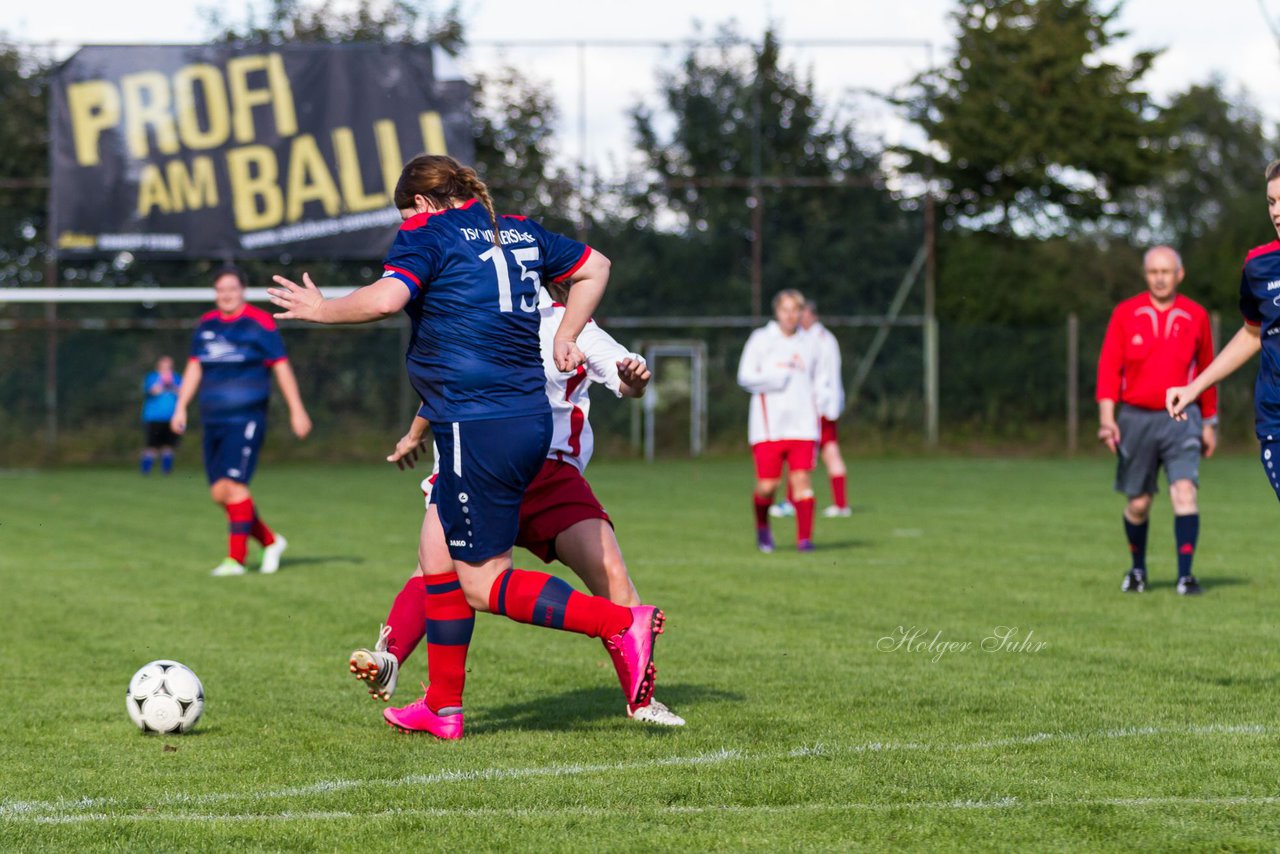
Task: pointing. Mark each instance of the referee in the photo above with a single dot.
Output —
(1157, 340)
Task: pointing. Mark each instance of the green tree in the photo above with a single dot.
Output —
(24, 158)
(739, 113)
(1030, 127)
(384, 21)
(515, 131)
(1210, 203)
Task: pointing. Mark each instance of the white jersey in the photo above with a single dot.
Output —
(780, 371)
(829, 387)
(571, 437)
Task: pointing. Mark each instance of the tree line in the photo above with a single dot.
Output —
(1051, 166)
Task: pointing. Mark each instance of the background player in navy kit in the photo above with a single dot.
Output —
(469, 281)
(235, 351)
(1259, 295)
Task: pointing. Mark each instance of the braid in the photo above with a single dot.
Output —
(442, 181)
(467, 176)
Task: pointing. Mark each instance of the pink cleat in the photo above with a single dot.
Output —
(632, 654)
(418, 717)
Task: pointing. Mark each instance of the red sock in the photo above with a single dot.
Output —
(260, 531)
(406, 618)
(804, 518)
(540, 599)
(240, 517)
(449, 622)
(763, 503)
(838, 496)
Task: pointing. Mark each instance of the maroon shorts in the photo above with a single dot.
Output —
(830, 432)
(798, 454)
(558, 499)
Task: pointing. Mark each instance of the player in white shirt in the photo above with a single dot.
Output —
(830, 398)
(779, 367)
(560, 517)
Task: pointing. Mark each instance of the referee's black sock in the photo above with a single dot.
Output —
(1137, 534)
(1186, 530)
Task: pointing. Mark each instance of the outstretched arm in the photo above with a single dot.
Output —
(191, 376)
(1240, 349)
(381, 299)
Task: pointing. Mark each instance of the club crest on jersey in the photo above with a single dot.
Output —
(1137, 341)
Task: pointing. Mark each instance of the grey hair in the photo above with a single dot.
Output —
(1146, 256)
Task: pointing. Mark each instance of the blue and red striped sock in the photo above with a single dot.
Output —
(239, 527)
(540, 599)
(449, 623)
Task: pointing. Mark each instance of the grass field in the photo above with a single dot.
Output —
(1141, 722)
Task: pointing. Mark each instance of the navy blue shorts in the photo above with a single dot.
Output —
(1271, 462)
(485, 468)
(231, 448)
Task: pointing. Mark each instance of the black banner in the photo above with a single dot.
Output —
(237, 152)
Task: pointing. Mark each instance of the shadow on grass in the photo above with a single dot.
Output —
(1207, 584)
(560, 712)
(289, 563)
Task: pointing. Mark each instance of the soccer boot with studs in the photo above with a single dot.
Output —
(376, 667)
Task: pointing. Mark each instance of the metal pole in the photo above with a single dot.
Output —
(650, 407)
(757, 255)
(1073, 383)
(582, 142)
(51, 360)
(930, 325)
(931, 382)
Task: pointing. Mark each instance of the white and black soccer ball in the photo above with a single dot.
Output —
(165, 697)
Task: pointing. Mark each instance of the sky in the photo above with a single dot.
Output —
(595, 86)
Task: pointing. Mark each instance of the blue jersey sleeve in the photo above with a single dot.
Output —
(414, 258)
(562, 256)
(1248, 302)
(272, 345)
(150, 380)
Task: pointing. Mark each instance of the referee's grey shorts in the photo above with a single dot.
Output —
(1149, 438)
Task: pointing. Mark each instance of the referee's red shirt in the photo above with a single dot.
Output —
(1148, 351)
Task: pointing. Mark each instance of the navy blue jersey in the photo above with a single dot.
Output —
(1260, 305)
(236, 354)
(474, 309)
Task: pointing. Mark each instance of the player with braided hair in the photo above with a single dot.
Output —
(469, 281)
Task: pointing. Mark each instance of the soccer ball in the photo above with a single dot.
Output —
(165, 697)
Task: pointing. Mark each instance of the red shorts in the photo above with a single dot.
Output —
(799, 455)
(830, 432)
(558, 499)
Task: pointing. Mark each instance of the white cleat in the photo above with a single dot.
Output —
(834, 512)
(230, 566)
(271, 555)
(655, 713)
(377, 667)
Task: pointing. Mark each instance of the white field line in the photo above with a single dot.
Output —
(86, 806)
(1008, 803)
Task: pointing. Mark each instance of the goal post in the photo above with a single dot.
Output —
(696, 352)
